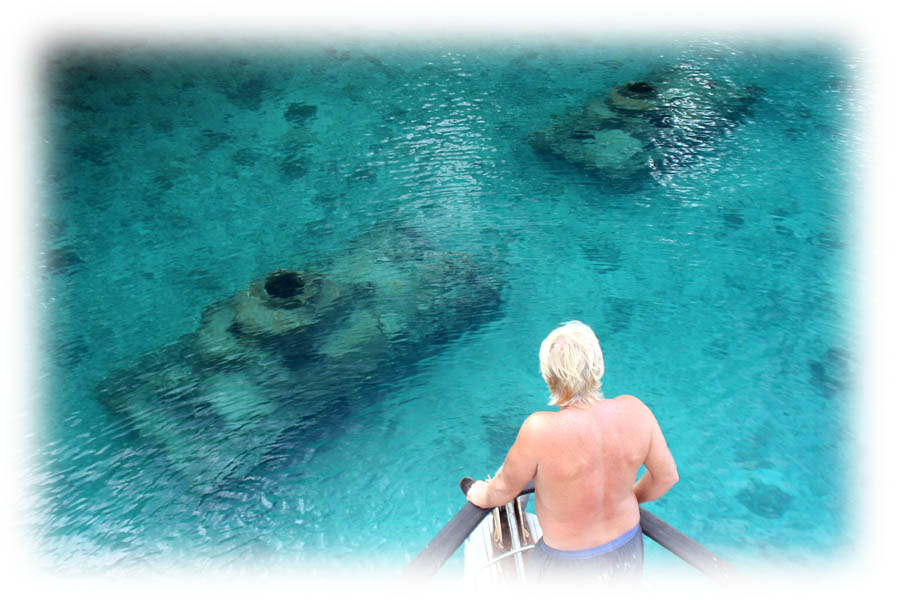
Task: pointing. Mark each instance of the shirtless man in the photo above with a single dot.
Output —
(584, 460)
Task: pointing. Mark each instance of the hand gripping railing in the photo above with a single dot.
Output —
(455, 532)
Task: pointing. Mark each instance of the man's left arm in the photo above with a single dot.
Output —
(519, 467)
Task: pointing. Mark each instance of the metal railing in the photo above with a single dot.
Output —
(455, 532)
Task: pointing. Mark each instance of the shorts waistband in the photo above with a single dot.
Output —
(590, 552)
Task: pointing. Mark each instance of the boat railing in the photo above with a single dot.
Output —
(464, 522)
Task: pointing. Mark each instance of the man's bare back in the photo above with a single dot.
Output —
(584, 461)
(585, 457)
(588, 460)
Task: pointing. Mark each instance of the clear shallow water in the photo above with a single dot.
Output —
(717, 290)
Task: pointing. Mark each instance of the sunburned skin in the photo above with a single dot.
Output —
(584, 461)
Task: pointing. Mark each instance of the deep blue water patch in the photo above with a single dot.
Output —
(292, 295)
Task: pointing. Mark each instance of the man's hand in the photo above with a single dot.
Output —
(477, 494)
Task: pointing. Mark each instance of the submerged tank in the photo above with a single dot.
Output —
(292, 344)
(643, 128)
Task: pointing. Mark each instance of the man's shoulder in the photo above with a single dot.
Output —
(635, 410)
(537, 428)
(540, 418)
(539, 421)
(633, 401)
(628, 398)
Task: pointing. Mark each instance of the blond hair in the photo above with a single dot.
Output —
(572, 365)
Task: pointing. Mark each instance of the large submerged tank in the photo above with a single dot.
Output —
(292, 344)
(646, 127)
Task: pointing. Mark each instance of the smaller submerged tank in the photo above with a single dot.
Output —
(295, 344)
(643, 128)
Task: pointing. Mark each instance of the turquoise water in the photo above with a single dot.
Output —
(717, 288)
